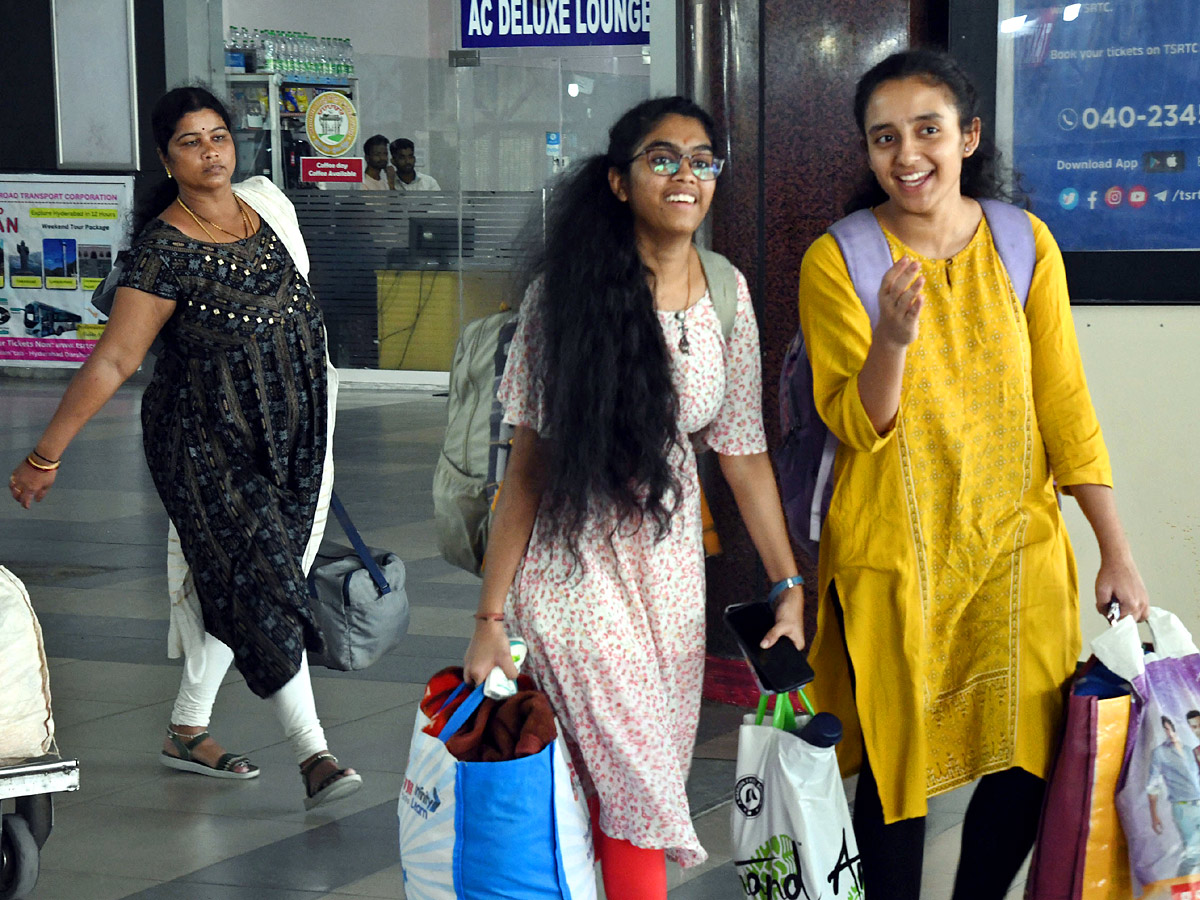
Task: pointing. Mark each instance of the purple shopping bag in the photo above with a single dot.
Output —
(1158, 794)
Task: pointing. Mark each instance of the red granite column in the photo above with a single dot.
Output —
(782, 76)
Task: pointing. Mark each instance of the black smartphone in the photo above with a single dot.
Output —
(777, 670)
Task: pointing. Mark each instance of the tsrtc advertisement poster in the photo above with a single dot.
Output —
(1106, 120)
(59, 235)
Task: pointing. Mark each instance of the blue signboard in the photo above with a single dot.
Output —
(1106, 121)
(554, 23)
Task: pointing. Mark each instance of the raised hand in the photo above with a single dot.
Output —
(900, 301)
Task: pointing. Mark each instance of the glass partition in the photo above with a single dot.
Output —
(399, 271)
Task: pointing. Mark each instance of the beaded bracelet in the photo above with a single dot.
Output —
(41, 468)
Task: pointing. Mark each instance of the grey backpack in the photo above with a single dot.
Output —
(475, 450)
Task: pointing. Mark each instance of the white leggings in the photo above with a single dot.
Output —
(293, 703)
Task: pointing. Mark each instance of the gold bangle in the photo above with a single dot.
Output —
(37, 465)
(47, 460)
(490, 617)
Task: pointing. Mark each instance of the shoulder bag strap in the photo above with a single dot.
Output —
(867, 255)
(722, 287)
(1012, 233)
(360, 547)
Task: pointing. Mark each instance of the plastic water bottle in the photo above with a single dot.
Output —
(499, 686)
(822, 730)
(269, 52)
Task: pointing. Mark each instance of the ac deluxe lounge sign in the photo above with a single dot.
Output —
(554, 23)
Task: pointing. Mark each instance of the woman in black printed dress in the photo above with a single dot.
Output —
(237, 425)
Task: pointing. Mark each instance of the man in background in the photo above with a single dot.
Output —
(404, 161)
(379, 175)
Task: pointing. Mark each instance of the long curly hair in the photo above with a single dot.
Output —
(160, 192)
(980, 171)
(610, 404)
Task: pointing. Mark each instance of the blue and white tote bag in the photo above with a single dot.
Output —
(517, 830)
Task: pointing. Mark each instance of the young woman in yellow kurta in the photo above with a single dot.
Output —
(948, 620)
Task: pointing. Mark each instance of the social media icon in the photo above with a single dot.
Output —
(1068, 198)
(1114, 196)
(1138, 196)
(1092, 198)
(1162, 195)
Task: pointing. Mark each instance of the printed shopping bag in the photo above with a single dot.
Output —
(792, 835)
(1081, 852)
(1158, 793)
(516, 829)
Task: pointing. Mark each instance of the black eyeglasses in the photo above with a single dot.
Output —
(666, 162)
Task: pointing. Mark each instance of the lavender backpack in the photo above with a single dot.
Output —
(805, 457)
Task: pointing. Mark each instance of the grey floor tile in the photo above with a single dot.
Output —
(716, 884)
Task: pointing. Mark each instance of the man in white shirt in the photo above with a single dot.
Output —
(404, 161)
(379, 175)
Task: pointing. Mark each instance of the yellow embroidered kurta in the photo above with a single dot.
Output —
(944, 537)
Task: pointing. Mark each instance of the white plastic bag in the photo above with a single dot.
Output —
(792, 835)
(26, 725)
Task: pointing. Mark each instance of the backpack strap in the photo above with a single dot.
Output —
(865, 250)
(867, 254)
(1012, 233)
(722, 287)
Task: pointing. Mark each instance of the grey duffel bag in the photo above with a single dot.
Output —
(359, 600)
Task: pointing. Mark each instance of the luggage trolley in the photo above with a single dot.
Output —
(29, 785)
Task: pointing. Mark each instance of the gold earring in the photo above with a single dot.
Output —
(169, 175)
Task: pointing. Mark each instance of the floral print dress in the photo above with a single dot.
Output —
(617, 643)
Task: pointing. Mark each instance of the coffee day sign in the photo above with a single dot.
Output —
(554, 23)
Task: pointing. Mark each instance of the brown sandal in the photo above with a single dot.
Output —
(341, 783)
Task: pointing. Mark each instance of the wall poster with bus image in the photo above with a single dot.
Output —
(59, 235)
(1105, 119)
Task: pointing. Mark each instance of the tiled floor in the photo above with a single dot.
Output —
(92, 556)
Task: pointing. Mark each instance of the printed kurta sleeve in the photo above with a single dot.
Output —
(737, 429)
(148, 271)
(521, 391)
(1065, 413)
(837, 336)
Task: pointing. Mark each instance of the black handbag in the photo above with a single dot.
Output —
(359, 600)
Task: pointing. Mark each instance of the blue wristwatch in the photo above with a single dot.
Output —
(780, 586)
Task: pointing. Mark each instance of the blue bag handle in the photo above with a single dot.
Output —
(360, 547)
(465, 710)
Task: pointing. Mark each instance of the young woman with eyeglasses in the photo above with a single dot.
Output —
(595, 556)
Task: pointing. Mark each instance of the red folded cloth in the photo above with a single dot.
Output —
(519, 726)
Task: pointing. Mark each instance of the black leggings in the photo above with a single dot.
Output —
(998, 832)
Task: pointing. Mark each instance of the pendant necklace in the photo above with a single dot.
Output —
(681, 314)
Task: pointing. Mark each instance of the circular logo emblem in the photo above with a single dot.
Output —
(1068, 119)
(331, 123)
(749, 795)
(1068, 198)
(1114, 196)
(1138, 196)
